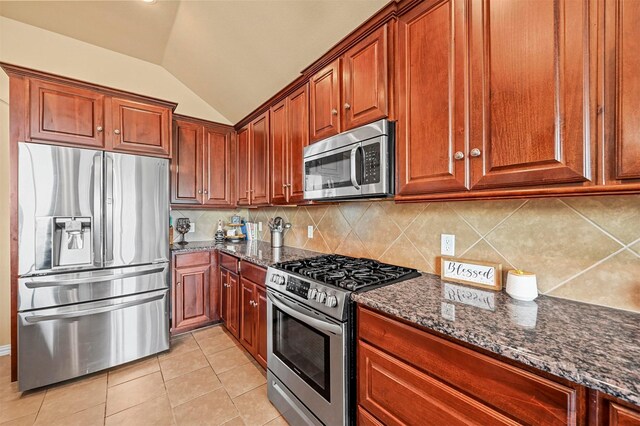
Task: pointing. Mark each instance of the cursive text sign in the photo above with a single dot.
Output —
(479, 274)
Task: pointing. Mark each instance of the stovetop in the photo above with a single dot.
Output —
(347, 272)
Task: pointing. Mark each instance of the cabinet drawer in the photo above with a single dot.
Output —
(254, 273)
(386, 385)
(192, 259)
(524, 395)
(228, 262)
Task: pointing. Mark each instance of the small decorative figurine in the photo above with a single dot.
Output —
(219, 237)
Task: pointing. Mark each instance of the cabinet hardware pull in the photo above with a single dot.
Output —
(99, 129)
(334, 111)
(475, 152)
(347, 106)
(459, 155)
(116, 131)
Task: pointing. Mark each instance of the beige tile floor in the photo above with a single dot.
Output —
(206, 378)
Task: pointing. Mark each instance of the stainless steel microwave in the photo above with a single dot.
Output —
(354, 164)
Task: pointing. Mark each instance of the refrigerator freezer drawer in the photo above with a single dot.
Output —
(79, 287)
(63, 343)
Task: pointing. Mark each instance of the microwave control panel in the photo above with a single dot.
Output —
(371, 164)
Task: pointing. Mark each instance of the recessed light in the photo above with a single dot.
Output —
(149, 1)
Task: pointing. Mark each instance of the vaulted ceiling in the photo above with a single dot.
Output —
(233, 54)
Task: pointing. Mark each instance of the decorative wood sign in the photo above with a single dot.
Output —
(471, 272)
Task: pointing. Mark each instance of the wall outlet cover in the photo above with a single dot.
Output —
(310, 231)
(193, 227)
(447, 245)
(260, 226)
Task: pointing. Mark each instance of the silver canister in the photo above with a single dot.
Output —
(276, 238)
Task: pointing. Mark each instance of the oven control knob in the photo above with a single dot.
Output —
(277, 279)
(321, 297)
(331, 301)
(312, 294)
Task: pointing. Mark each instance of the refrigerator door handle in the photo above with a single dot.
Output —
(108, 206)
(97, 310)
(97, 230)
(136, 272)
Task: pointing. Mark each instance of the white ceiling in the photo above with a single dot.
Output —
(233, 54)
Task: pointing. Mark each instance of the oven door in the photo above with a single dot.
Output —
(306, 351)
(333, 174)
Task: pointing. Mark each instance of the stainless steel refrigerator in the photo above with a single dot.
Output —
(93, 261)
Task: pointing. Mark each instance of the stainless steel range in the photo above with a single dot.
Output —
(311, 334)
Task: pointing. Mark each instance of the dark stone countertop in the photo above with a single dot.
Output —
(258, 252)
(590, 345)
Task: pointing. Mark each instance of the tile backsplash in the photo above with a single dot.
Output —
(582, 248)
(206, 222)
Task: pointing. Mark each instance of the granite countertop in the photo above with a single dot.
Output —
(258, 252)
(591, 345)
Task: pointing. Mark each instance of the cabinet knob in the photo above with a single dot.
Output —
(288, 185)
(116, 131)
(179, 283)
(99, 129)
(334, 111)
(459, 155)
(200, 191)
(205, 191)
(284, 185)
(347, 106)
(475, 152)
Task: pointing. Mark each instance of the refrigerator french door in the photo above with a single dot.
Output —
(93, 261)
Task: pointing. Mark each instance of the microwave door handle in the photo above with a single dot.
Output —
(316, 323)
(354, 178)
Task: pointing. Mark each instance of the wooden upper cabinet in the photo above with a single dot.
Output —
(279, 154)
(140, 128)
(243, 174)
(260, 160)
(289, 135)
(622, 89)
(531, 102)
(298, 139)
(68, 114)
(186, 164)
(431, 102)
(218, 173)
(324, 110)
(365, 80)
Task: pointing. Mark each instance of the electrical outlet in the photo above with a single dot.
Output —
(310, 231)
(447, 245)
(260, 226)
(193, 227)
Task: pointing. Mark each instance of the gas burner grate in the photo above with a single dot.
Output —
(348, 272)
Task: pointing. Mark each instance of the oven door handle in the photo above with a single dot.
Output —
(354, 178)
(300, 316)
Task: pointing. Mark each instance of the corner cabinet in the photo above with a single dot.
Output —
(194, 291)
(520, 114)
(201, 167)
(354, 89)
(253, 163)
(289, 136)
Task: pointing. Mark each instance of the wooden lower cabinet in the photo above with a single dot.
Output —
(229, 287)
(407, 375)
(606, 410)
(195, 292)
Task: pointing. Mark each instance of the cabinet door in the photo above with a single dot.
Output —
(261, 326)
(217, 167)
(224, 295)
(247, 314)
(233, 303)
(365, 80)
(140, 128)
(530, 93)
(622, 88)
(243, 173)
(431, 124)
(186, 164)
(298, 138)
(260, 160)
(324, 110)
(279, 153)
(191, 296)
(66, 114)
